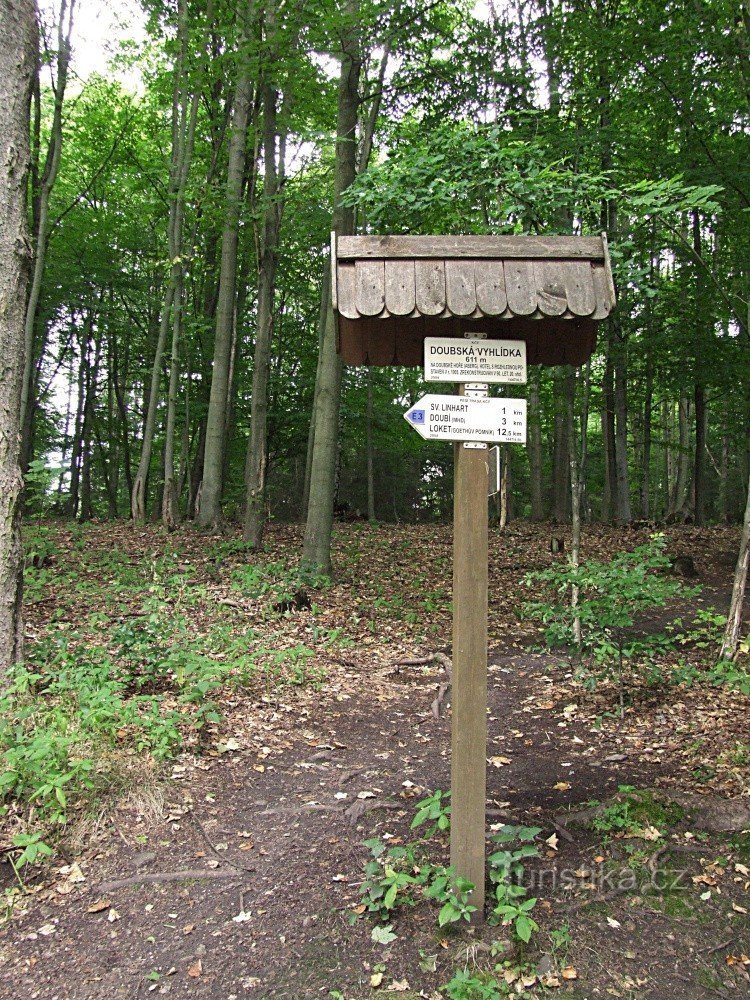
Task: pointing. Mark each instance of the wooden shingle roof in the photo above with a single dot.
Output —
(390, 292)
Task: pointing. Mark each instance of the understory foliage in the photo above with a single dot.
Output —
(615, 605)
(84, 721)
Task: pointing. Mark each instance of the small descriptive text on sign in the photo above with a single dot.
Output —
(467, 418)
(450, 359)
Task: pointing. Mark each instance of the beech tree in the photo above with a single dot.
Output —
(18, 59)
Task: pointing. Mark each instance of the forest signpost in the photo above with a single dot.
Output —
(471, 418)
(436, 301)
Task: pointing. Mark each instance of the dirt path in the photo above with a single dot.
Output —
(297, 820)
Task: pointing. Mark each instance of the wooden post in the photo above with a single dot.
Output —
(469, 695)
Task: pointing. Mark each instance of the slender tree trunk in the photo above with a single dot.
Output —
(66, 440)
(648, 404)
(317, 542)
(734, 619)
(370, 451)
(699, 388)
(575, 497)
(535, 447)
(169, 504)
(608, 440)
(257, 453)
(18, 59)
(585, 511)
(184, 118)
(699, 467)
(74, 494)
(140, 484)
(505, 487)
(623, 514)
(564, 385)
(92, 378)
(41, 235)
(679, 506)
(325, 305)
(208, 507)
(118, 379)
(723, 500)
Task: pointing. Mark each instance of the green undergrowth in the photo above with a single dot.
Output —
(136, 675)
(399, 877)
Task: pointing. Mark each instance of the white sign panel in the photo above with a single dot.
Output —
(493, 480)
(449, 359)
(469, 418)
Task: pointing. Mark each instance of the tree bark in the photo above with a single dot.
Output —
(208, 506)
(734, 619)
(623, 513)
(316, 552)
(564, 385)
(535, 447)
(257, 451)
(575, 509)
(18, 59)
(370, 450)
(699, 388)
(608, 440)
(41, 218)
(679, 504)
(184, 118)
(325, 305)
(138, 496)
(647, 421)
(92, 378)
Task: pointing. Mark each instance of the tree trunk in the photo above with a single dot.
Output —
(316, 552)
(608, 441)
(584, 505)
(734, 619)
(138, 496)
(184, 117)
(564, 385)
(325, 305)
(208, 506)
(699, 388)
(92, 378)
(575, 506)
(647, 408)
(699, 467)
(74, 493)
(18, 59)
(257, 451)
(535, 447)
(679, 505)
(506, 512)
(370, 451)
(666, 431)
(41, 234)
(622, 510)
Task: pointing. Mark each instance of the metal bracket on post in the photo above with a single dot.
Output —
(478, 390)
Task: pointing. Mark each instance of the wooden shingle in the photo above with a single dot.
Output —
(390, 292)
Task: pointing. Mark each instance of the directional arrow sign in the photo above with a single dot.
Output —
(469, 418)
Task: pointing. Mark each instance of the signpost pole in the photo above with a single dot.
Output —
(469, 688)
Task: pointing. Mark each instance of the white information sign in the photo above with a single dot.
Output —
(469, 418)
(450, 359)
(493, 480)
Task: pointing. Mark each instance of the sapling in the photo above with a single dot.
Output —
(611, 597)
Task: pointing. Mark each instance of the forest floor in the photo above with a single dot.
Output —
(234, 867)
